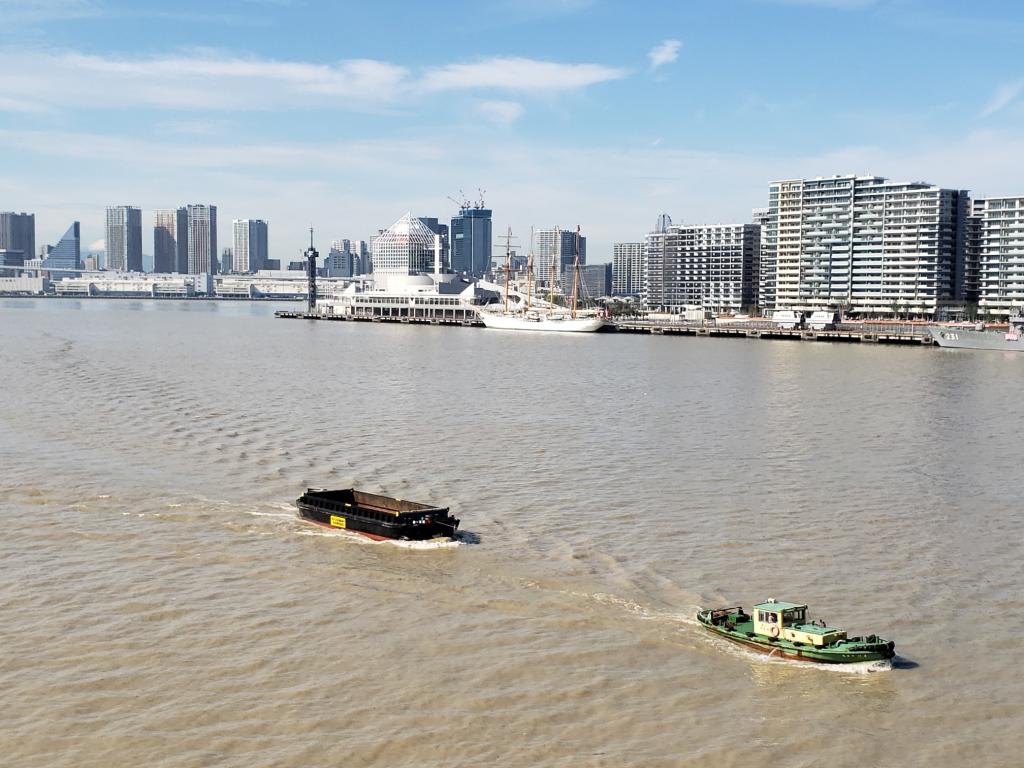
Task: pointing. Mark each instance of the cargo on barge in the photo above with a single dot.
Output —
(375, 516)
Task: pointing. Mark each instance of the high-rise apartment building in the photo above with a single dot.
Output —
(996, 246)
(866, 244)
(202, 239)
(170, 240)
(627, 268)
(554, 251)
(764, 279)
(471, 243)
(124, 238)
(18, 233)
(707, 266)
(250, 251)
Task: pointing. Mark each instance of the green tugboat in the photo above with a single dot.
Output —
(782, 629)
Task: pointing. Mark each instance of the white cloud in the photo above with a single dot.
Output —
(34, 11)
(502, 112)
(208, 80)
(1003, 97)
(519, 74)
(664, 53)
(612, 191)
(98, 245)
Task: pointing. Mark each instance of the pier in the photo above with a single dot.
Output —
(858, 333)
(869, 333)
(382, 318)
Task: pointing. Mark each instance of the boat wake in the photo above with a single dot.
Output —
(360, 539)
(855, 668)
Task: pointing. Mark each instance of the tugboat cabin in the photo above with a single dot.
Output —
(788, 621)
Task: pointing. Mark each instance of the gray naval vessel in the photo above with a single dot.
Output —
(1010, 340)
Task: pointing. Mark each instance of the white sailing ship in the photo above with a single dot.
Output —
(550, 317)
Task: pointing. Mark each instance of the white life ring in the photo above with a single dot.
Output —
(774, 631)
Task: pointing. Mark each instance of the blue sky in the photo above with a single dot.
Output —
(345, 115)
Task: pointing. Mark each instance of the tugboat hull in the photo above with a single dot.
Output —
(733, 627)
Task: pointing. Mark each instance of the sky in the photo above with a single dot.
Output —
(345, 115)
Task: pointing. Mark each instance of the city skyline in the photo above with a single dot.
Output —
(670, 114)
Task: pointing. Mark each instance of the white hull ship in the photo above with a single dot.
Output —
(539, 321)
(552, 318)
(953, 337)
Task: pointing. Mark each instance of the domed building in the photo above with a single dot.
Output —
(406, 248)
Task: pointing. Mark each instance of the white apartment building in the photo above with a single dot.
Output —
(713, 267)
(627, 268)
(250, 245)
(997, 253)
(865, 244)
(202, 239)
(554, 251)
(124, 238)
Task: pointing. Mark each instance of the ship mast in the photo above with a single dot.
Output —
(556, 253)
(529, 274)
(508, 263)
(575, 272)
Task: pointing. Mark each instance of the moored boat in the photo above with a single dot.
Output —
(955, 337)
(375, 516)
(552, 318)
(542, 321)
(783, 630)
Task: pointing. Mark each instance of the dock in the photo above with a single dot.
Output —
(860, 333)
(855, 333)
(368, 318)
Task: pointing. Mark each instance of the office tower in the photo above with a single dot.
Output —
(866, 245)
(250, 252)
(706, 266)
(439, 229)
(664, 222)
(627, 268)
(202, 239)
(227, 261)
(595, 281)
(553, 255)
(170, 240)
(406, 248)
(66, 254)
(18, 233)
(124, 238)
(340, 261)
(361, 262)
(997, 248)
(471, 243)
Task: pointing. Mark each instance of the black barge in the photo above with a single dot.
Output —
(375, 516)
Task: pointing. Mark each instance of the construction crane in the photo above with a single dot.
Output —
(465, 203)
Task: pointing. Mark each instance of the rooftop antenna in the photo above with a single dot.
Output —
(311, 257)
